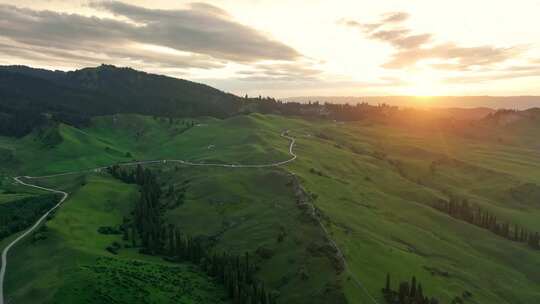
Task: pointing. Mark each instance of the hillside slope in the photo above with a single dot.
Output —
(108, 90)
(376, 188)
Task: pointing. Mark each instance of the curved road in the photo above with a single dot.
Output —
(27, 232)
(65, 196)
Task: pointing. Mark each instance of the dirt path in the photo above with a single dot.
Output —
(65, 195)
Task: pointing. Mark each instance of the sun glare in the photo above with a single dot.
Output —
(423, 84)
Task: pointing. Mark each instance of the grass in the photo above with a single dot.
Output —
(4, 198)
(122, 138)
(71, 265)
(380, 217)
(246, 211)
(374, 184)
(112, 280)
(9, 191)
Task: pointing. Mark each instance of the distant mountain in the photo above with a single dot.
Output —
(107, 90)
(509, 118)
(464, 113)
(493, 102)
(39, 73)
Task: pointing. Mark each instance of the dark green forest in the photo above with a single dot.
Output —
(148, 231)
(19, 214)
(73, 97)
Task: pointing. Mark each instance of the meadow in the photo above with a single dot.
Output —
(65, 261)
(373, 185)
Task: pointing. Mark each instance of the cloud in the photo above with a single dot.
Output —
(387, 19)
(512, 72)
(390, 35)
(305, 86)
(401, 38)
(385, 31)
(114, 55)
(453, 57)
(412, 49)
(412, 41)
(395, 17)
(348, 22)
(281, 72)
(201, 28)
(199, 36)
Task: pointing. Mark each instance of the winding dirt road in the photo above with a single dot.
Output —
(188, 163)
(27, 232)
(65, 194)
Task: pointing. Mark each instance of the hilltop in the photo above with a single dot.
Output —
(74, 96)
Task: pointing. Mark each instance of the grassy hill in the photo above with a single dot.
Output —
(376, 189)
(374, 186)
(66, 260)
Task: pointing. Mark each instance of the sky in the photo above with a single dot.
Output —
(284, 48)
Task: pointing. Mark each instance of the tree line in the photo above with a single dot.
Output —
(158, 238)
(341, 112)
(20, 122)
(407, 293)
(20, 214)
(464, 211)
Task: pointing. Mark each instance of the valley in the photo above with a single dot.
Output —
(373, 186)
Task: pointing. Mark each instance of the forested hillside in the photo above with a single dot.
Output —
(72, 97)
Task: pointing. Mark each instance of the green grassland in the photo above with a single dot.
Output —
(122, 138)
(8, 197)
(11, 191)
(374, 185)
(247, 210)
(66, 262)
(379, 216)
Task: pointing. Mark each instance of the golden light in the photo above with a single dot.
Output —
(423, 84)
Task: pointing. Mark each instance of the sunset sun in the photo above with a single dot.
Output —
(423, 84)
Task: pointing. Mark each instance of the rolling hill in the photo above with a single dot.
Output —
(449, 197)
(375, 188)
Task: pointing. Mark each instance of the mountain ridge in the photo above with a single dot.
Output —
(122, 87)
(73, 97)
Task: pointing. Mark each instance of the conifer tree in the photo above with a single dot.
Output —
(419, 297)
(412, 293)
